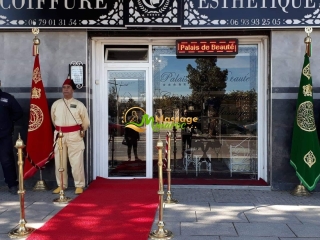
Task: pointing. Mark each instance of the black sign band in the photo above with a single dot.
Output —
(178, 13)
(61, 13)
(251, 13)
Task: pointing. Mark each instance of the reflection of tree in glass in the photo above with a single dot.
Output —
(114, 96)
(126, 103)
(169, 102)
(129, 103)
(112, 101)
(207, 81)
(244, 105)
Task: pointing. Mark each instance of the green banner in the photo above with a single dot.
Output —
(305, 150)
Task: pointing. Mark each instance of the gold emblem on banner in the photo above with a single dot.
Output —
(36, 118)
(36, 93)
(307, 90)
(309, 159)
(305, 117)
(306, 71)
(36, 75)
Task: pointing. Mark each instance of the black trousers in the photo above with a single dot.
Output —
(186, 142)
(132, 143)
(7, 161)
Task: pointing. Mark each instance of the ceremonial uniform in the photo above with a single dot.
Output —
(10, 111)
(70, 116)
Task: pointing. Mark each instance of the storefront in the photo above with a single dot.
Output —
(211, 101)
(220, 76)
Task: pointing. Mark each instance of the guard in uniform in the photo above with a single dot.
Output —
(10, 112)
(70, 116)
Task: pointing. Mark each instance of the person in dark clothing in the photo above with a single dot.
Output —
(10, 112)
(186, 134)
(213, 127)
(132, 137)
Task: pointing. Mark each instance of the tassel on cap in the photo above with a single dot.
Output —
(69, 82)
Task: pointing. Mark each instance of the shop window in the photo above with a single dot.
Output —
(211, 104)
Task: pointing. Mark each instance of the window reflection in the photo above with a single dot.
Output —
(126, 103)
(219, 95)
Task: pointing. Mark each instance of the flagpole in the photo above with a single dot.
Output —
(300, 190)
(40, 184)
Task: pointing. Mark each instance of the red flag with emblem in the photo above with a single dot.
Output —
(39, 145)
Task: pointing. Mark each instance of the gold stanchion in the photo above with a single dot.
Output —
(22, 230)
(160, 233)
(169, 200)
(41, 184)
(62, 198)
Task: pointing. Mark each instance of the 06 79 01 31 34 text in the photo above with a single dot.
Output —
(53, 22)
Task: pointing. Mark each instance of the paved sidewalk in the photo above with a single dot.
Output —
(203, 212)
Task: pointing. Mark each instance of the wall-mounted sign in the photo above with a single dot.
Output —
(153, 12)
(251, 13)
(108, 14)
(77, 73)
(61, 14)
(206, 47)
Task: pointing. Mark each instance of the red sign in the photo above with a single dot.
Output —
(207, 47)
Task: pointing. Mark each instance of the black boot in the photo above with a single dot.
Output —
(136, 158)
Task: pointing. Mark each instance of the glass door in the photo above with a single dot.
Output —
(127, 136)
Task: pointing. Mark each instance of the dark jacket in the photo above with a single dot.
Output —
(10, 112)
(131, 134)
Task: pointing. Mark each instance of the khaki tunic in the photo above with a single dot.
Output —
(72, 142)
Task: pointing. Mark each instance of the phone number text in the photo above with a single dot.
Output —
(51, 22)
(255, 22)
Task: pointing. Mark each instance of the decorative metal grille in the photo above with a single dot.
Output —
(166, 14)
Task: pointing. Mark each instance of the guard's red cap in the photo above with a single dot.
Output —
(69, 82)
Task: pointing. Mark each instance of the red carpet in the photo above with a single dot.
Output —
(108, 209)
